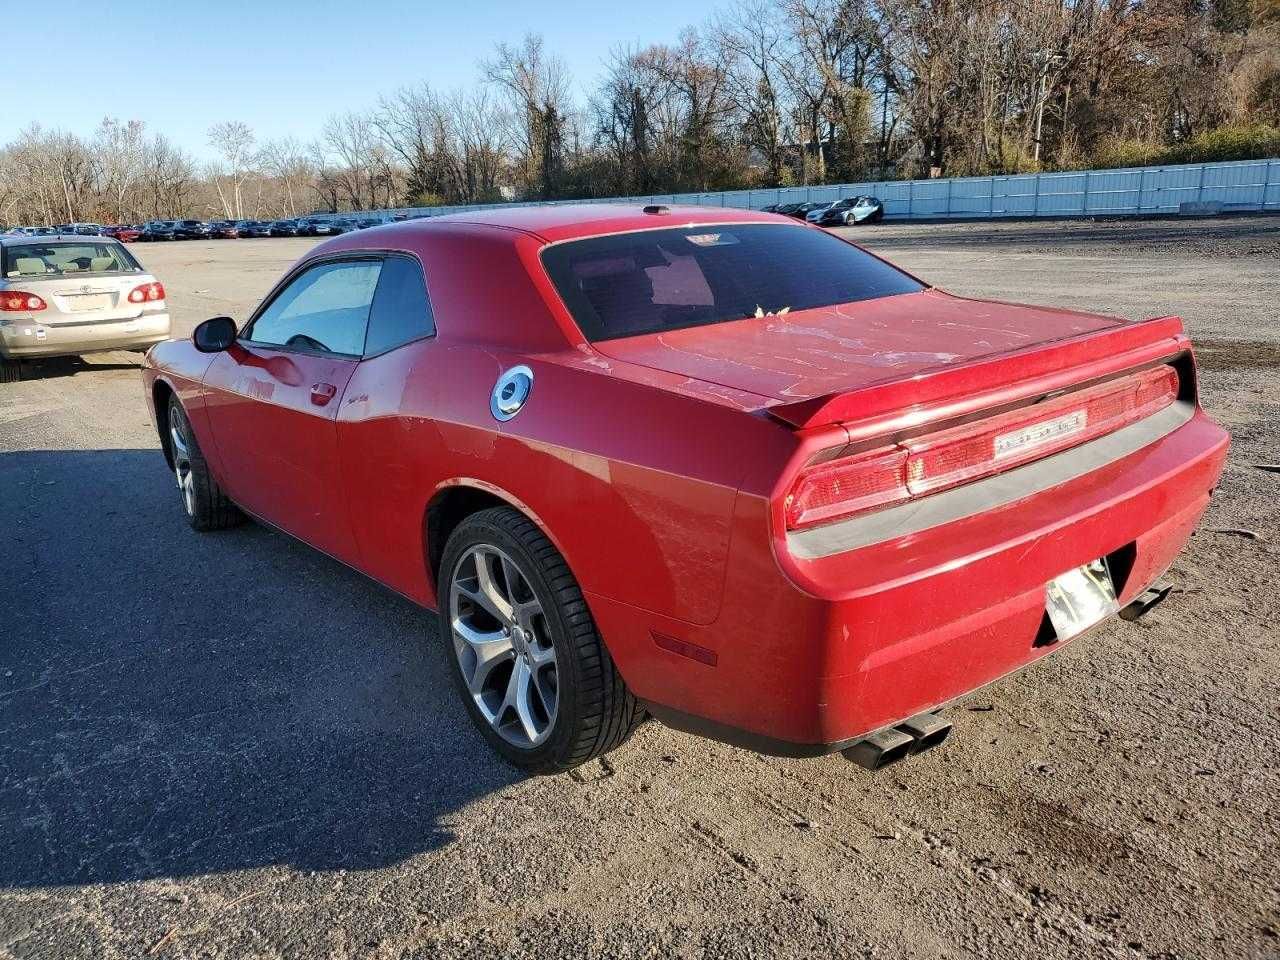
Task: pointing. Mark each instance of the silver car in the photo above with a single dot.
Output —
(67, 295)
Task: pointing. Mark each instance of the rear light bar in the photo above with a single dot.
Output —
(146, 293)
(18, 301)
(837, 488)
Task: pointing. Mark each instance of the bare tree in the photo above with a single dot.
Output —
(118, 150)
(364, 171)
(769, 92)
(753, 33)
(537, 85)
(287, 160)
(234, 140)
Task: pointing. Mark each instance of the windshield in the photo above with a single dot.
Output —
(655, 280)
(35, 260)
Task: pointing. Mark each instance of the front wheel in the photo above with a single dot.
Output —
(530, 665)
(206, 506)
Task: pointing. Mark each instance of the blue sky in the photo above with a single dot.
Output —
(282, 67)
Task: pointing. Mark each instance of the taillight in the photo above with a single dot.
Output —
(832, 489)
(17, 301)
(146, 293)
(837, 488)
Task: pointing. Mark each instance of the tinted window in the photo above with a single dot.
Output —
(325, 308)
(633, 283)
(401, 311)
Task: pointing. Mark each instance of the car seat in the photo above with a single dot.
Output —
(29, 266)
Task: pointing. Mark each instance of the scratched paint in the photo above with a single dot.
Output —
(812, 353)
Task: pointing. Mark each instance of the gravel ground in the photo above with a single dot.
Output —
(231, 746)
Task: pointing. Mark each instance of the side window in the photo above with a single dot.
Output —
(401, 312)
(324, 308)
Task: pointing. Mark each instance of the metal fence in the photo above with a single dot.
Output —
(1244, 185)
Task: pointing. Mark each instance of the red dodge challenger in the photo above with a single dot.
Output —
(714, 466)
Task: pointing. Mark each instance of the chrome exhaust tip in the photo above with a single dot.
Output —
(927, 730)
(881, 749)
(914, 735)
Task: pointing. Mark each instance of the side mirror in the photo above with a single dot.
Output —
(215, 335)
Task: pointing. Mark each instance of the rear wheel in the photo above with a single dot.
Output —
(10, 370)
(206, 506)
(529, 663)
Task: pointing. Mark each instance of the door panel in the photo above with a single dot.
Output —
(272, 415)
(382, 452)
(386, 449)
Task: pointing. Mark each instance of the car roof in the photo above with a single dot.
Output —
(10, 240)
(577, 220)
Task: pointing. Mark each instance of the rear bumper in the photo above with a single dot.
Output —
(807, 660)
(30, 338)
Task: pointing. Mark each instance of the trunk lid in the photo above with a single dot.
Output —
(930, 345)
(79, 300)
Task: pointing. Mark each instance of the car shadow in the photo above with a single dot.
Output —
(48, 368)
(175, 704)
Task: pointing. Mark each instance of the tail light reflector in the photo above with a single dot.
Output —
(832, 489)
(147, 293)
(18, 301)
(837, 488)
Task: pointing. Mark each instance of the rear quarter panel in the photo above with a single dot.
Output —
(634, 486)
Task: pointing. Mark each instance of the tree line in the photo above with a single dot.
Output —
(766, 93)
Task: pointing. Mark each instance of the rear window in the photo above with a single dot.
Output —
(655, 280)
(35, 260)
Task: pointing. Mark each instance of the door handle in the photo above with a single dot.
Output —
(322, 393)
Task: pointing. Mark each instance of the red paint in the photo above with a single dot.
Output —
(660, 465)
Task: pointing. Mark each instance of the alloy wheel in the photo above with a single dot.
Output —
(181, 449)
(503, 646)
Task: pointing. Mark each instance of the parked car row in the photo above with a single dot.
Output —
(155, 230)
(845, 212)
(233, 229)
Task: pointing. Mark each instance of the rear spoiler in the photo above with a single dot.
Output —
(1043, 367)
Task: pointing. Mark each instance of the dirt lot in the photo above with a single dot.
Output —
(230, 746)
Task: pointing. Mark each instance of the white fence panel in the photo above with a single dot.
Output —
(1239, 186)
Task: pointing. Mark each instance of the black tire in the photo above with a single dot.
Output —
(10, 370)
(206, 506)
(595, 713)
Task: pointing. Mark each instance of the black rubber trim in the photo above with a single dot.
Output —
(737, 737)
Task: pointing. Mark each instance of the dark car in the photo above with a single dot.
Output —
(316, 227)
(223, 230)
(283, 228)
(190, 230)
(847, 212)
(253, 228)
(798, 210)
(154, 230)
